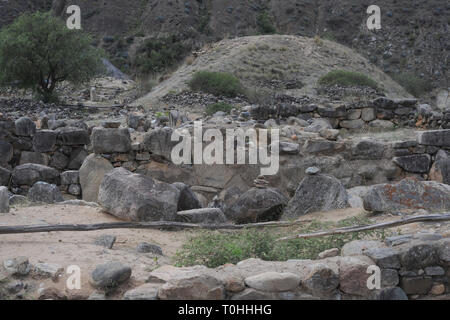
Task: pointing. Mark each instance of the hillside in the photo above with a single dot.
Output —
(267, 61)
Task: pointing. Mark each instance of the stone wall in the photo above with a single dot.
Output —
(411, 267)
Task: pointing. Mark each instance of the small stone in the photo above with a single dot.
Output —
(312, 171)
(111, 124)
(48, 269)
(434, 271)
(145, 247)
(106, 241)
(148, 291)
(437, 289)
(97, 296)
(328, 253)
(17, 266)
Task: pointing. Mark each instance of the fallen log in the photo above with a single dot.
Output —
(141, 225)
(383, 225)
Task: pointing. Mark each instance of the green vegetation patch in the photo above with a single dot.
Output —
(347, 78)
(217, 83)
(265, 24)
(214, 249)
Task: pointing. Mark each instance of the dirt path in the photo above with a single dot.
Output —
(77, 248)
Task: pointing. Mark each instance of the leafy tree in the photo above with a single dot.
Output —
(38, 51)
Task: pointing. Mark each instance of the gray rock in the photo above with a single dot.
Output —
(202, 216)
(368, 114)
(398, 240)
(387, 258)
(59, 161)
(106, 241)
(188, 200)
(192, 287)
(438, 138)
(416, 285)
(137, 197)
(328, 253)
(25, 127)
(4, 200)
(17, 200)
(91, 175)
(44, 140)
(331, 111)
(389, 278)
(318, 125)
(315, 194)
(273, 281)
(5, 176)
(382, 124)
(111, 140)
(110, 275)
(148, 291)
(352, 124)
(17, 266)
(417, 163)
(312, 171)
(97, 296)
(395, 293)
(368, 150)
(30, 173)
(159, 143)
(71, 136)
(77, 157)
(359, 247)
(252, 294)
(48, 270)
(434, 271)
(34, 157)
(257, 205)
(408, 194)
(70, 177)
(145, 247)
(6, 152)
(45, 192)
(440, 171)
(74, 189)
(419, 256)
(321, 280)
(80, 203)
(289, 148)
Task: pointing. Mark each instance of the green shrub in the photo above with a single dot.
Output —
(264, 24)
(347, 78)
(157, 55)
(414, 85)
(217, 83)
(220, 106)
(214, 249)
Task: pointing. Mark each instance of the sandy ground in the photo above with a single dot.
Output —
(77, 248)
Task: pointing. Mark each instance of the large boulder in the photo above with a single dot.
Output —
(408, 194)
(4, 200)
(44, 192)
(417, 163)
(25, 127)
(316, 193)
(188, 200)
(137, 197)
(111, 140)
(72, 136)
(30, 173)
(192, 287)
(257, 205)
(159, 143)
(34, 157)
(44, 140)
(91, 175)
